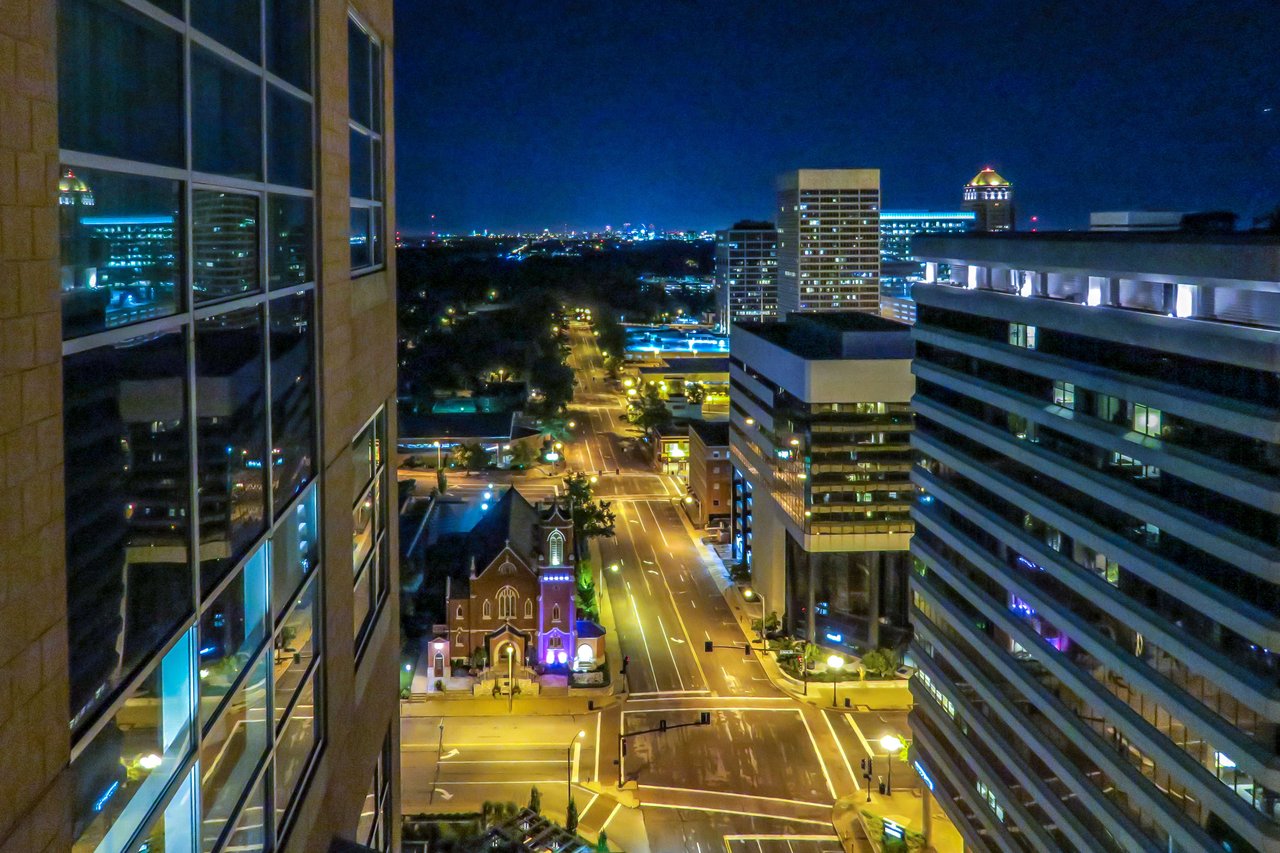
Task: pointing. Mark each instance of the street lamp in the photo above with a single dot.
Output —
(890, 744)
(437, 456)
(568, 768)
(748, 594)
(836, 663)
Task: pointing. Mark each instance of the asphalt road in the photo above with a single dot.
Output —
(761, 777)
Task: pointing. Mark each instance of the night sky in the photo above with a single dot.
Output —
(681, 114)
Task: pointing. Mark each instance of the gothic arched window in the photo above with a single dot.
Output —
(506, 603)
(555, 548)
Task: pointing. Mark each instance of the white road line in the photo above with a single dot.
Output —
(596, 777)
(843, 754)
(734, 812)
(857, 731)
(730, 794)
(671, 651)
(604, 825)
(653, 672)
(830, 785)
(697, 662)
(591, 802)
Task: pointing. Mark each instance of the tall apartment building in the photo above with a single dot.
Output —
(197, 361)
(990, 197)
(820, 422)
(746, 272)
(899, 267)
(829, 240)
(1097, 550)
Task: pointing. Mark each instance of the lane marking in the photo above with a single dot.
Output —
(596, 777)
(843, 754)
(653, 672)
(735, 812)
(821, 763)
(672, 652)
(605, 825)
(848, 718)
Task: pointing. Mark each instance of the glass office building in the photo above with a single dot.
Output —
(1095, 594)
(188, 228)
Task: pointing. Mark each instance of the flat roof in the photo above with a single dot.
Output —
(838, 335)
(456, 425)
(690, 364)
(711, 433)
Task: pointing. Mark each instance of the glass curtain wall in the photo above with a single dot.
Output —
(187, 232)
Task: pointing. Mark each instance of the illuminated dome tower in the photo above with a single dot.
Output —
(74, 196)
(991, 198)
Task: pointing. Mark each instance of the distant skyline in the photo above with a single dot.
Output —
(530, 115)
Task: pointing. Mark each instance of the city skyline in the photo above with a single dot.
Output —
(667, 119)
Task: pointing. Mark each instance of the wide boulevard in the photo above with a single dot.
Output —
(761, 777)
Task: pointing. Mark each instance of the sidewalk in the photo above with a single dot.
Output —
(905, 808)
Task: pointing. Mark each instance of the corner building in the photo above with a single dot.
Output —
(819, 429)
(197, 376)
(1096, 590)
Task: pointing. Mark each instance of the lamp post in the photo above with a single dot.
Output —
(438, 456)
(568, 768)
(890, 744)
(748, 594)
(511, 669)
(836, 663)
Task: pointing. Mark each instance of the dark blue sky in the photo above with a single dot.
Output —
(515, 114)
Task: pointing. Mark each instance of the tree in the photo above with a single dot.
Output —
(588, 607)
(479, 658)
(535, 800)
(648, 410)
(472, 456)
(591, 518)
(571, 819)
(695, 392)
(442, 481)
(522, 456)
(880, 662)
(602, 843)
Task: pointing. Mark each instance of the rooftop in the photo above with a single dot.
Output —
(711, 433)
(988, 177)
(841, 335)
(457, 425)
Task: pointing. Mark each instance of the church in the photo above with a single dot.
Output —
(515, 589)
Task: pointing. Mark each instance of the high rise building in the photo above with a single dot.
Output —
(899, 267)
(820, 422)
(991, 198)
(197, 375)
(829, 240)
(747, 272)
(1096, 588)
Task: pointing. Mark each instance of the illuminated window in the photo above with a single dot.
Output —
(555, 543)
(1022, 335)
(1147, 420)
(506, 603)
(555, 613)
(1064, 394)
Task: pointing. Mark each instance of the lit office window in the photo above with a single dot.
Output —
(292, 398)
(232, 629)
(1147, 420)
(1022, 335)
(1064, 394)
(369, 524)
(365, 82)
(294, 552)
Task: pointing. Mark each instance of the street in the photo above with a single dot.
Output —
(761, 777)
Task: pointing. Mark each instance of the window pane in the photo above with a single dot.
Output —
(120, 249)
(363, 603)
(363, 531)
(123, 772)
(295, 648)
(224, 244)
(289, 132)
(175, 829)
(358, 73)
(232, 749)
(231, 435)
(289, 240)
(119, 83)
(289, 41)
(375, 164)
(129, 582)
(369, 810)
(361, 171)
(293, 552)
(361, 251)
(226, 116)
(364, 459)
(235, 23)
(375, 88)
(295, 746)
(231, 630)
(292, 409)
(375, 234)
(250, 833)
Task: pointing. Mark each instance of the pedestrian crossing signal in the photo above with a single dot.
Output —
(708, 645)
(704, 719)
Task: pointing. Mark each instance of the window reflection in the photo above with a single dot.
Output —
(289, 139)
(226, 118)
(224, 244)
(292, 407)
(289, 239)
(231, 630)
(293, 552)
(289, 41)
(174, 830)
(127, 509)
(124, 771)
(231, 751)
(119, 83)
(119, 247)
(294, 748)
(231, 433)
(295, 648)
(250, 832)
(232, 22)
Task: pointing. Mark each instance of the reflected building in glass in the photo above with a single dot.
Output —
(163, 565)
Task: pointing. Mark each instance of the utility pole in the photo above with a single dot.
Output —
(704, 719)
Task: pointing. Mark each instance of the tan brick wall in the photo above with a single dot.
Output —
(34, 737)
(357, 375)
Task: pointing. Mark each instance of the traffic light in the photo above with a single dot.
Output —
(746, 649)
(708, 646)
(626, 659)
(662, 725)
(704, 719)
